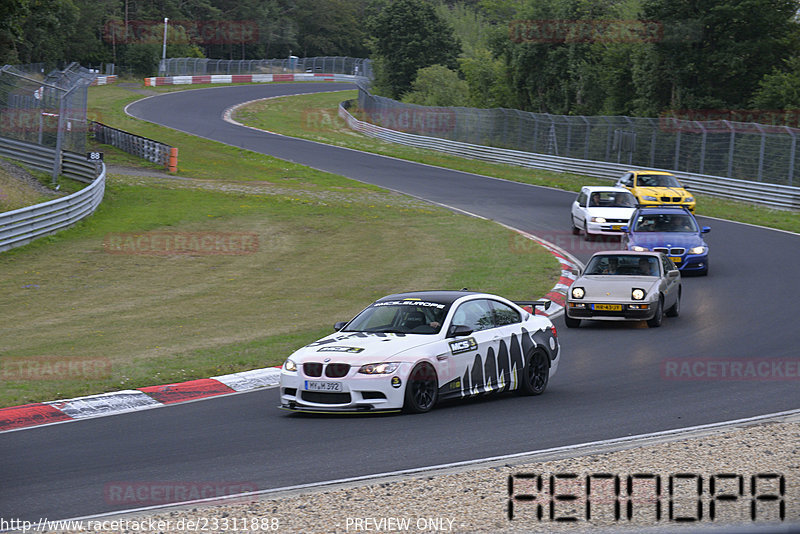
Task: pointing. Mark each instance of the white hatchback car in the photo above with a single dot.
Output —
(601, 210)
(407, 351)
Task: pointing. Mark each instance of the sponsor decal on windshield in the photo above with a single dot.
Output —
(410, 302)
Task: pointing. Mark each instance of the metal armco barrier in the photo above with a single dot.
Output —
(251, 78)
(772, 195)
(137, 145)
(20, 227)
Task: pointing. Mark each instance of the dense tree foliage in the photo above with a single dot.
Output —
(408, 35)
(610, 57)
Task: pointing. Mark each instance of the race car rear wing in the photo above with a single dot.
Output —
(531, 305)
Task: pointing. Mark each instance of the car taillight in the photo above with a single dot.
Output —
(553, 328)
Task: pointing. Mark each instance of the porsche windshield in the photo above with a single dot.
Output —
(623, 264)
(400, 317)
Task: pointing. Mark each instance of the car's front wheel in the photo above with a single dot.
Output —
(571, 322)
(655, 322)
(535, 373)
(675, 309)
(422, 389)
(575, 229)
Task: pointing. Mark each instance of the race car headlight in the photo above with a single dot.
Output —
(289, 365)
(598, 219)
(384, 368)
(649, 198)
(638, 294)
(697, 250)
(578, 292)
(637, 248)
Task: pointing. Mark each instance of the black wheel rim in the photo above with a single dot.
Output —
(537, 376)
(423, 388)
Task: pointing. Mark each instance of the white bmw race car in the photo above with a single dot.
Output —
(410, 350)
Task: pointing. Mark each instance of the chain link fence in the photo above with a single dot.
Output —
(327, 65)
(46, 109)
(741, 150)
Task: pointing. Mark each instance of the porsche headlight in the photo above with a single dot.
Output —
(385, 368)
(578, 292)
(598, 219)
(289, 365)
(638, 294)
(637, 248)
(649, 198)
(697, 250)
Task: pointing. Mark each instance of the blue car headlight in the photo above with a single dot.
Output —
(697, 250)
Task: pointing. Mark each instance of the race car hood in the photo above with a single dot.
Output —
(663, 191)
(612, 287)
(358, 348)
(685, 240)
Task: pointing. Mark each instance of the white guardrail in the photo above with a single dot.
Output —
(20, 227)
(772, 195)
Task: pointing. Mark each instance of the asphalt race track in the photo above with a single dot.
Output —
(610, 384)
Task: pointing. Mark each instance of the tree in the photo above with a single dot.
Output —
(408, 35)
(780, 89)
(12, 15)
(437, 86)
(717, 58)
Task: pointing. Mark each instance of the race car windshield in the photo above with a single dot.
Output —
(657, 180)
(665, 222)
(400, 317)
(623, 265)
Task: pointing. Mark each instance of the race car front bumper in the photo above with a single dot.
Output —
(353, 393)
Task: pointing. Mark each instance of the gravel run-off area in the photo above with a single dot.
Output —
(514, 495)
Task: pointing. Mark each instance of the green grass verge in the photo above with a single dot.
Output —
(315, 117)
(327, 246)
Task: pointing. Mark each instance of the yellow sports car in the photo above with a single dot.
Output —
(656, 187)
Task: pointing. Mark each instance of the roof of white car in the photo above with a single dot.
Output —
(593, 188)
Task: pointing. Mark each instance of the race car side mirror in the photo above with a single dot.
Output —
(706, 229)
(624, 228)
(338, 326)
(458, 330)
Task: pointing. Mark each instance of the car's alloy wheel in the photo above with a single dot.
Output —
(655, 322)
(422, 389)
(535, 374)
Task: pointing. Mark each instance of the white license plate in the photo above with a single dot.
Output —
(314, 385)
